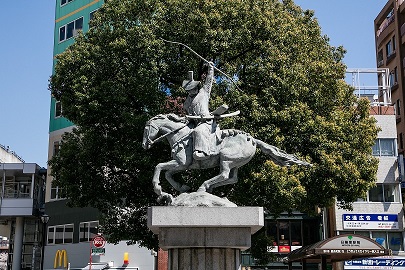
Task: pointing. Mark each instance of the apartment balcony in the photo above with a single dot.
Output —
(385, 29)
(382, 110)
(21, 189)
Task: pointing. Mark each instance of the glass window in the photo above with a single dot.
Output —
(391, 193)
(396, 75)
(92, 14)
(51, 235)
(388, 48)
(62, 33)
(392, 240)
(88, 230)
(398, 107)
(296, 235)
(380, 238)
(384, 193)
(292, 233)
(376, 148)
(395, 241)
(57, 192)
(79, 24)
(64, 2)
(93, 229)
(70, 30)
(271, 230)
(284, 234)
(384, 147)
(58, 109)
(393, 77)
(60, 234)
(83, 231)
(376, 194)
(68, 234)
(310, 230)
(56, 147)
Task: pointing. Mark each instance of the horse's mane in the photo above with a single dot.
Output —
(170, 116)
(159, 116)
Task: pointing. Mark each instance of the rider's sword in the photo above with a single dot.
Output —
(209, 117)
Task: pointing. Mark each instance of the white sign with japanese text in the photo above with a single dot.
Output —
(396, 263)
(370, 221)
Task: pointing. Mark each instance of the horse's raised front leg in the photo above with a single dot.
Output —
(156, 182)
(170, 166)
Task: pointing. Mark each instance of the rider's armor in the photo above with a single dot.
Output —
(196, 104)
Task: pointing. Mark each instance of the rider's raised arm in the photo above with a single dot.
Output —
(210, 77)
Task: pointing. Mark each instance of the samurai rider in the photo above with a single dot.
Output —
(196, 104)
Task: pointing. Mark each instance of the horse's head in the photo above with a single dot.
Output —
(163, 125)
(150, 133)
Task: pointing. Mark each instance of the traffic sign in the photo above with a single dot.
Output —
(99, 241)
(97, 251)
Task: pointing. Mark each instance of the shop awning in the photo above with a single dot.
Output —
(339, 248)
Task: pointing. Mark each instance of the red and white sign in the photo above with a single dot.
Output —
(99, 241)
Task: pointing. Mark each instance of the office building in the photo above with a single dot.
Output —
(379, 216)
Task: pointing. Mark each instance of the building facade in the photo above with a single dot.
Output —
(70, 230)
(21, 205)
(379, 216)
(389, 27)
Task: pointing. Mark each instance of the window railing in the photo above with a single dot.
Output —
(385, 24)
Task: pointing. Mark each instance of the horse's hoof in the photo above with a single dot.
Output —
(184, 188)
(165, 198)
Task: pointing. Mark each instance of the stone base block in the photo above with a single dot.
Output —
(215, 217)
(204, 259)
(205, 238)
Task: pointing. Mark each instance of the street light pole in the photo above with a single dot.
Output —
(44, 220)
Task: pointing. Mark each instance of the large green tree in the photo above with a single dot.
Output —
(291, 94)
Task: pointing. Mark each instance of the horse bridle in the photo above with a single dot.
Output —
(150, 124)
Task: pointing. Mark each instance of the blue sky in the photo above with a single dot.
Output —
(26, 61)
(26, 46)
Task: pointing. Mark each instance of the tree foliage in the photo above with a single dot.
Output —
(291, 94)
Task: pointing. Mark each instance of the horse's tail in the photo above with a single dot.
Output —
(279, 156)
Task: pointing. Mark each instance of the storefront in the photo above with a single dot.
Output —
(337, 249)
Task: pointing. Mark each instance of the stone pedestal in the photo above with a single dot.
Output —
(205, 238)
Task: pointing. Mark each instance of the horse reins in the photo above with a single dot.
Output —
(164, 135)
